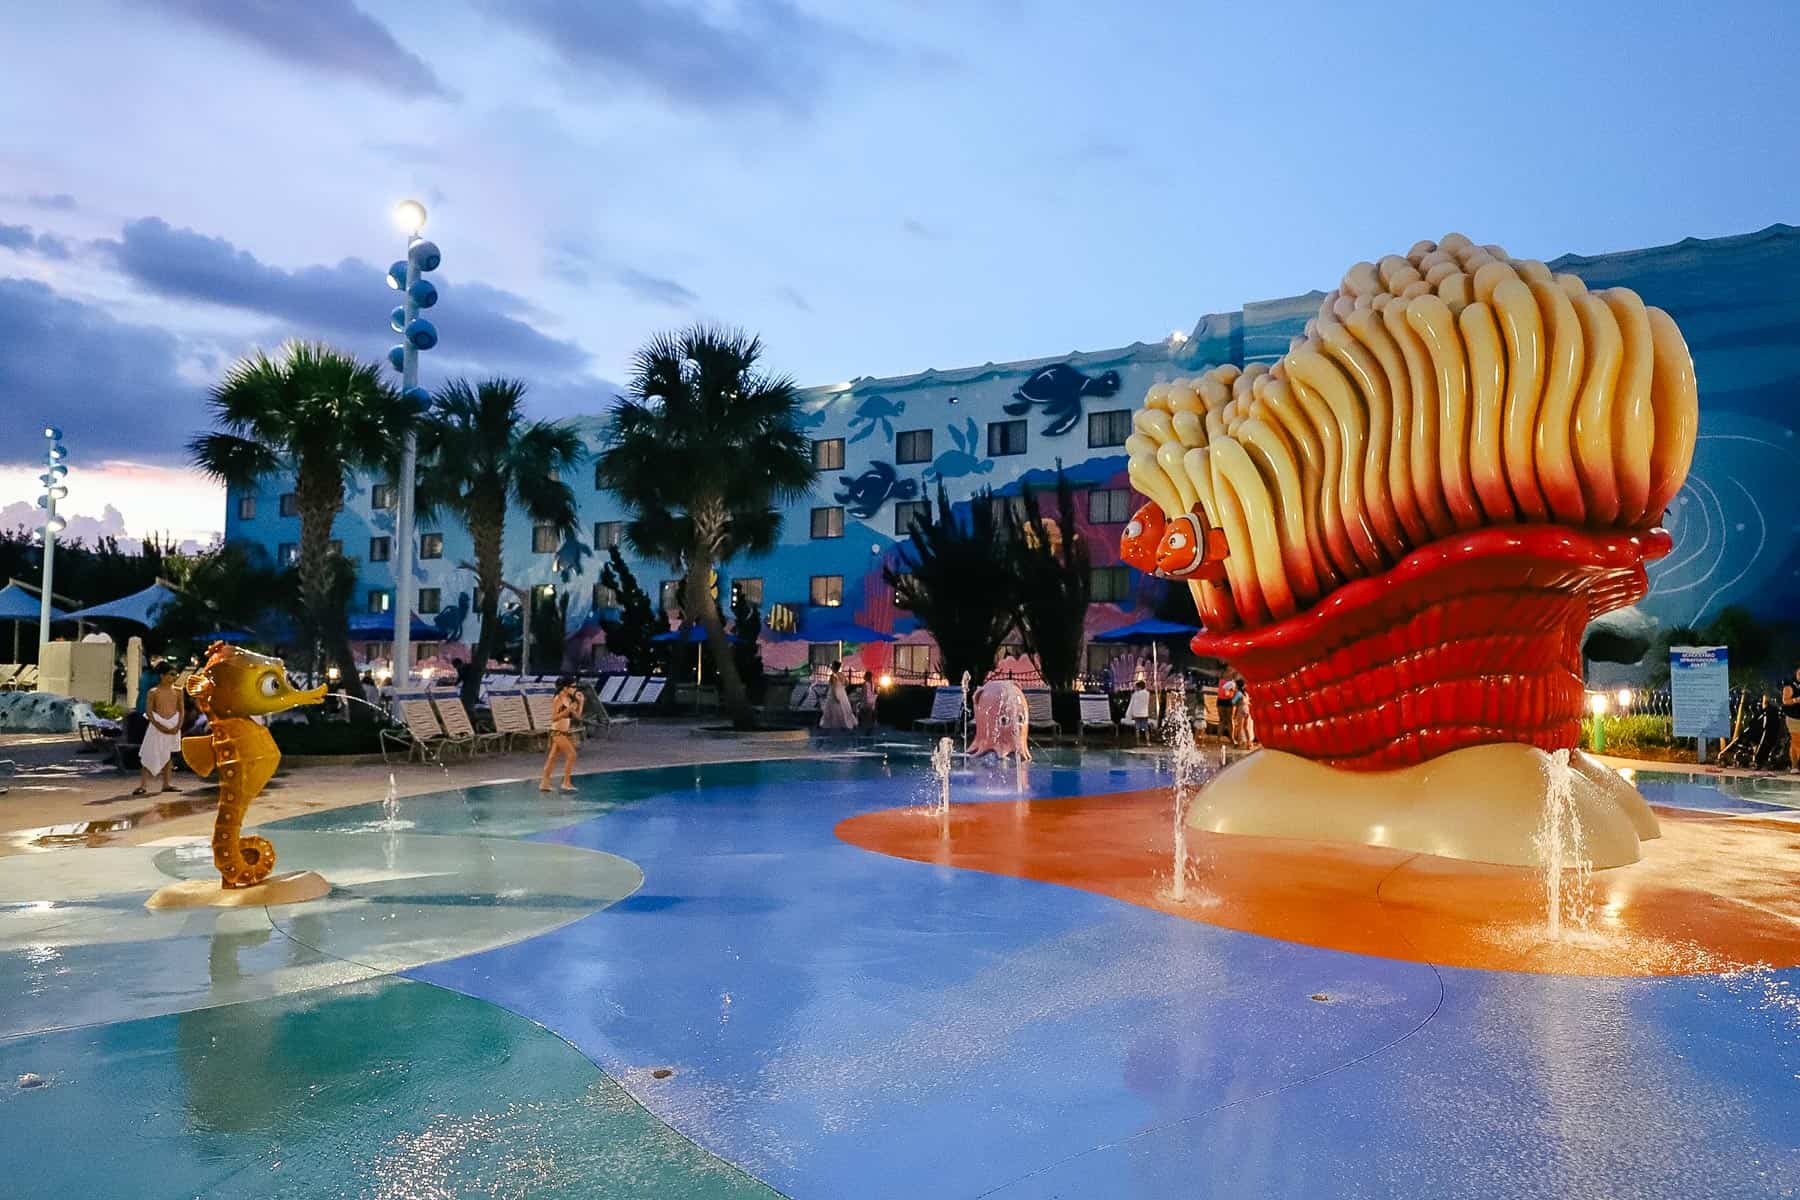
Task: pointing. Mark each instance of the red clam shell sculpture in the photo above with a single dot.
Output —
(1399, 531)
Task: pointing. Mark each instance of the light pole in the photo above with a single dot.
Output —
(54, 473)
(406, 276)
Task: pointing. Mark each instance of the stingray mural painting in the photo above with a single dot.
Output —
(1059, 389)
(1417, 510)
(863, 495)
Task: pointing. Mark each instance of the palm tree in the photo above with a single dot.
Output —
(318, 412)
(1052, 569)
(702, 451)
(485, 455)
(957, 577)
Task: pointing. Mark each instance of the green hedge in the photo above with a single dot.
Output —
(1625, 733)
(327, 737)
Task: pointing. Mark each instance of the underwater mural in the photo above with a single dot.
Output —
(1058, 390)
(863, 495)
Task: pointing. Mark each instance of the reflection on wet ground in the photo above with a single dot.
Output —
(104, 831)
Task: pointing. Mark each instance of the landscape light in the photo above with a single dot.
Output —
(1598, 704)
(332, 673)
(1624, 697)
(53, 433)
(885, 682)
(409, 215)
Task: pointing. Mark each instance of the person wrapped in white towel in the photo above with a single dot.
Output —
(164, 707)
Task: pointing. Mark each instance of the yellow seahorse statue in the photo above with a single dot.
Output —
(234, 686)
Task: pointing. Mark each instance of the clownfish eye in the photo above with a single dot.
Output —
(1177, 541)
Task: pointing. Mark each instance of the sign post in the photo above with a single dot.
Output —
(1700, 691)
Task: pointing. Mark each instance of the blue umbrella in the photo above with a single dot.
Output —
(140, 608)
(379, 627)
(230, 637)
(17, 604)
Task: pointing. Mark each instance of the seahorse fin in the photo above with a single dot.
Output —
(197, 752)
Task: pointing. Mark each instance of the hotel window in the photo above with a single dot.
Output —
(431, 545)
(380, 602)
(380, 549)
(912, 446)
(287, 554)
(1006, 437)
(1109, 428)
(821, 654)
(1109, 506)
(828, 590)
(246, 508)
(290, 505)
(912, 662)
(544, 539)
(605, 597)
(431, 601)
(608, 533)
(908, 511)
(828, 522)
(381, 496)
(669, 597)
(748, 589)
(828, 454)
(1109, 585)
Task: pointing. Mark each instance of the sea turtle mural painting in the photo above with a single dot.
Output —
(955, 464)
(1058, 389)
(863, 495)
(875, 412)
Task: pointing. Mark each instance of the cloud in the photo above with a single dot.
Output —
(793, 297)
(20, 238)
(477, 323)
(655, 289)
(112, 387)
(59, 202)
(24, 514)
(334, 36)
(773, 54)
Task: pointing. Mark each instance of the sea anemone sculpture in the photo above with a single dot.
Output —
(1399, 530)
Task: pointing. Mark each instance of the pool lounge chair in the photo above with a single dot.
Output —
(946, 710)
(628, 692)
(1041, 720)
(8, 673)
(420, 732)
(609, 690)
(27, 678)
(460, 729)
(651, 693)
(512, 720)
(1096, 713)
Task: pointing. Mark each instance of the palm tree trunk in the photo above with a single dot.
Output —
(487, 533)
(703, 606)
(321, 494)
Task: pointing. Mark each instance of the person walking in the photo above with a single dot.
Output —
(1790, 712)
(837, 714)
(1137, 709)
(565, 710)
(163, 707)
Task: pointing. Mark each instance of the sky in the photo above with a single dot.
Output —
(875, 186)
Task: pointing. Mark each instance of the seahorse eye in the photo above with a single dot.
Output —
(269, 684)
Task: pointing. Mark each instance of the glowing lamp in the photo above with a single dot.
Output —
(409, 215)
(1598, 703)
(53, 433)
(332, 674)
(885, 682)
(396, 274)
(1624, 697)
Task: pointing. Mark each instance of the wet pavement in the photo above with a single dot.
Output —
(683, 982)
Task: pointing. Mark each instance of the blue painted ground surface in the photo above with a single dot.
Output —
(841, 1024)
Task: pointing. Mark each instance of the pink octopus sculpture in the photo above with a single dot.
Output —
(1001, 720)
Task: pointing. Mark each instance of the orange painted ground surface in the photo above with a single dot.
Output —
(1711, 894)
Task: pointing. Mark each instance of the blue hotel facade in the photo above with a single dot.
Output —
(884, 445)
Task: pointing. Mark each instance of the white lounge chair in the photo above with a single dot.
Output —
(946, 710)
(609, 691)
(627, 695)
(421, 732)
(459, 728)
(512, 720)
(652, 692)
(1096, 713)
(1039, 714)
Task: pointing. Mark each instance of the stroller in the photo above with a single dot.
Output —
(1762, 743)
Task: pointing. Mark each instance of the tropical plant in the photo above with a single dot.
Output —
(1053, 582)
(702, 450)
(228, 586)
(956, 577)
(629, 636)
(321, 414)
(484, 455)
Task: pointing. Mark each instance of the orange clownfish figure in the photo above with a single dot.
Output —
(1139, 543)
(1192, 549)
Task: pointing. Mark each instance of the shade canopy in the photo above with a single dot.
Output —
(1148, 630)
(842, 631)
(17, 604)
(379, 627)
(140, 608)
(690, 633)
